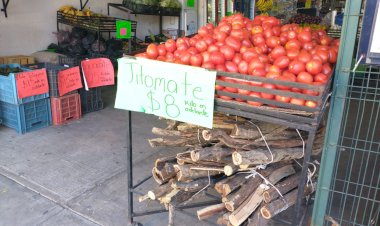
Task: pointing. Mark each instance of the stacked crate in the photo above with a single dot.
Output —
(91, 100)
(64, 108)
(26, 114)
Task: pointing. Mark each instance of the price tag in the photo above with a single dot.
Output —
(98, 72)
(177, 92)
(69, 80)
(31, 83)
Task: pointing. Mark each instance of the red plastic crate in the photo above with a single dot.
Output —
(65, 109)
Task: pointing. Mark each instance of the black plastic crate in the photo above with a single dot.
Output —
(70, 60)
(91, 100)
(141, 8)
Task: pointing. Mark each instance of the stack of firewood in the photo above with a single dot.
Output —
(249, 164)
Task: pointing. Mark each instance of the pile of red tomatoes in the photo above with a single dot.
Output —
(260, 47)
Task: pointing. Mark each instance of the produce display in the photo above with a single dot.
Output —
(261, 47)
(264, 5)
(71, 10)
(305, 19)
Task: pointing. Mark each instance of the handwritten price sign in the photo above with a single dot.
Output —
(32, 83)
(69, 80)
(98, 72)
(178, 92)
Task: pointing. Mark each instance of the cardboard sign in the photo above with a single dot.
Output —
(177, 92)
(98, 72)
(123, 29)
(69, 80)
(32, 83)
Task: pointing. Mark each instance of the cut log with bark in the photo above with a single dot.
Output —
(192, 186)
(212, 154)
(277, 206)
(165, 174)
(263, 156)
(160, 191)
(185, 173)
(230, 184)
(244, 210)
(256, 219)
(170, 133)
(283, 187)
(160, 162)
(230, 169)
(223, 220)
(180, 142)
(210, 211)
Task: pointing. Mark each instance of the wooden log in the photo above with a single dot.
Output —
(160, 162)
(223, 137)
(249, 131)
(223, 220)
(230, 169)
(167, 197)
(210, 211)
(263, 156)
(183, 158)
(256, 219)
(165, 174)
(192, 186)
(171, 124)
(249, 205)
(180, 142)
(283, 187)
(170, 133)
(230, 184)
(181, 197)
(277, 206)
(160, 190)
(212, 154)
(171, 215)
(185, 173)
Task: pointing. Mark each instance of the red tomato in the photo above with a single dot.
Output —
(310, 92)
(170, 45)
(249, 54)
(296, 101)
(326, 69)
(206, 56)
(201, 46)
(220, 36)
(296, 66)
(304, 36)
(209, 40)
(246, 42)
(292, 35)
(233, 42)
(217, 58)
(282, 62)
(314, 67)
(254, 103)
(255, 64)
(243, 67)
(273, 41)
(304, 56)
(310, 104)
(192, 50)
(220, 67)
(142, 55)
(237, 58)
(283, 78)
(258, 39)
(305, 77)
(208, 65)
(273, 75)
(228, 52)
(152, 51)
(212, 48)
(258, 72)
(321, 78)
(203, 31)
(161, 58)
(170, 57)
(243, 92)
(325, 40)
(274, 68)
(332, 56)
(323, 54)
(257, 29)
(225, 97)
(193, 41)
(282, 98)
(182, 47)
(293, 44)
(219, 87)
(161, 50)
(196, 60)
(292, 53)
(277, 52)
(185, 58)
(231, 66)
(268, 33)
(225, 27)
(230, 89)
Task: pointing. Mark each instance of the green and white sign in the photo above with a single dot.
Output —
(173, 91)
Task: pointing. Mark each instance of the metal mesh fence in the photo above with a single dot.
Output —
(354, 192)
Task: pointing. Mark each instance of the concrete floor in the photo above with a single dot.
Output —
(76, 174)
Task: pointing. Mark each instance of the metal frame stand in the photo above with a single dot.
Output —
(299, 214)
